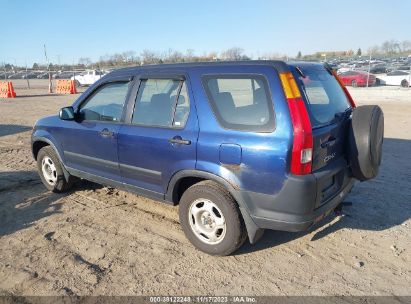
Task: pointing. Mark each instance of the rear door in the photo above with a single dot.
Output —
(329, 111)
(160, 135)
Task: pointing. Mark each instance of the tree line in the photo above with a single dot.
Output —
(129, 58)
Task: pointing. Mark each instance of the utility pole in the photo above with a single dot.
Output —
(5, 71)
(27, 78)
(48, 68)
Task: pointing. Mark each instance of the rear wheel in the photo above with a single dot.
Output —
(211, 220)
(404, 83)
(51, 172)
(78, 84)
(354, 83)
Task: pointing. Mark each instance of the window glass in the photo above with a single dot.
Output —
(182, 108)
(106, 103)
(324, 96)
(241, 102)
(157, 104)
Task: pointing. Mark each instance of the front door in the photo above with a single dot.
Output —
(160, 137)
(90, 145)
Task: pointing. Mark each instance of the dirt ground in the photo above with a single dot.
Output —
(99, 241)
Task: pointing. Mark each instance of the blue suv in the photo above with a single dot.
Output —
(240, 146)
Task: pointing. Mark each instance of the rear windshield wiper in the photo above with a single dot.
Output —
(300, 72)
(328, 68)
(342, 115)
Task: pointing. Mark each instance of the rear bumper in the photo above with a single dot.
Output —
(302, 201)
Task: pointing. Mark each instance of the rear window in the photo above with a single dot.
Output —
(323, 94)
(241, 102)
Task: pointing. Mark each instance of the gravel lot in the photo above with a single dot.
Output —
(100, 241)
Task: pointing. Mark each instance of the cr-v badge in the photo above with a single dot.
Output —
(329, 157)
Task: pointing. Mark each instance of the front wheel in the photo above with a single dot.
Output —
(354, 83)
(211, 219)
(404, 83)
(51, 172)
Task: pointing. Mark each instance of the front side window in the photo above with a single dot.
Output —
(241, 102)
(106, 104)
(161, 103)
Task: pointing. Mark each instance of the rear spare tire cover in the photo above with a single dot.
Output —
(365, 141)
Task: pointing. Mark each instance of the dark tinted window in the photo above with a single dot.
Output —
(106, 103)
(241, 102)
(161, 102)
(349, 73)
(397, 73)
(323, 94)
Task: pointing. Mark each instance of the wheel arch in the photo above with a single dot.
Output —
(174, 193)
(39, 142)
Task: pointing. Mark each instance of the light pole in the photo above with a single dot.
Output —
(369, 69)
(48, 67)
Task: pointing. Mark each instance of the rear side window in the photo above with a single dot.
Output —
(241, 102)
(161, 103)
(323, 94)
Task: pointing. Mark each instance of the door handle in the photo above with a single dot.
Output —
(179, 140)
(329, 143)
(106, 133)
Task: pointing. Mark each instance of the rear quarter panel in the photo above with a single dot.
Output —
(264, 156)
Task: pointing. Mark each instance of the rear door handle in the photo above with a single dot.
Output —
(106, 133)
(329, 143)
(179, 140)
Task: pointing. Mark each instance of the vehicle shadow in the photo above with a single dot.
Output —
(12, 129)
(377, 205)
(24, 200)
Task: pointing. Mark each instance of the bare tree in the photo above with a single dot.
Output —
(189, 56)
(406, 45)
(234, 53)
(86, 61)
(149, 57)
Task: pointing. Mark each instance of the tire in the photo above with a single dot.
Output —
(377, 82)
(366, 136)
(354, 83)
(51, 172)
(78, 84)
(203, 208)
(404, 83)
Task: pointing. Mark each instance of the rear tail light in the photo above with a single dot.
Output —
(301, 156)
(351, 101)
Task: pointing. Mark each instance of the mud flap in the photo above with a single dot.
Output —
(254, 232)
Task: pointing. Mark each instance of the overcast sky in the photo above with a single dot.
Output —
(91, 28)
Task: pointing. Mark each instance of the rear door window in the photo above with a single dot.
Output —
(161, 103)
(241, 102)
(323, 94)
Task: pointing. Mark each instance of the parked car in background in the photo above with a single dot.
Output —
(395, 78)
(88, 77)
(378, 69)
(43, 75)
(65, 75)
(17, 75)
(5, 75)
(30, 75)
(357, 78)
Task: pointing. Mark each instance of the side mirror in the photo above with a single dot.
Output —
(67, 113)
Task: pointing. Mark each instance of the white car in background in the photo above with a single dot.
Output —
(88, 77)
(395, 78)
